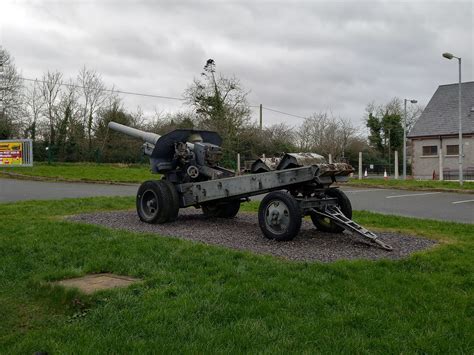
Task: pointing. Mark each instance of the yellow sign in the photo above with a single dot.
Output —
(11, 153)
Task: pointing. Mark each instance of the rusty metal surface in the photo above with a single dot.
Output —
(308, 158)
(264, 164)
(336, 169)
(272, 163)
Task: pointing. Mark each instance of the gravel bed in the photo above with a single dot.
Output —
(243, 233)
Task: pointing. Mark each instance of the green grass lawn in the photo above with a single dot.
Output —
(414, 184)
(206, 299)
(87, 172)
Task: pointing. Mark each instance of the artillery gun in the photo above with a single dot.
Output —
(298, 185)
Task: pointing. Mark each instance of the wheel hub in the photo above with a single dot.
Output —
(149, 203)
(277, 216)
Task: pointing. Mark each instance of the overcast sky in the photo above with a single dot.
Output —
(295, 56)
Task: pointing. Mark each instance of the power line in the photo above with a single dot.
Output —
(284, 113)
(113, 91)
(154, 96)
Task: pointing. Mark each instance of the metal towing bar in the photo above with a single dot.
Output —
(334, 214)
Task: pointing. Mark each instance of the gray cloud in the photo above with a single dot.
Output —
(296, 56)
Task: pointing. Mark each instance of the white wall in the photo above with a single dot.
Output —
(423, 166)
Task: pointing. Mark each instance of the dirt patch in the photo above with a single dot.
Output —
(243, 233)
(96, 282)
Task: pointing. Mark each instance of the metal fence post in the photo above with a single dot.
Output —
(396, 165)
(238, 164)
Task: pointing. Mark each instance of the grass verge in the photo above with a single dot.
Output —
(452, 186)
(86, 172)
(206, 299)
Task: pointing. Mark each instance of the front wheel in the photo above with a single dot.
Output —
(279, 216)
(325, 224)
(155, 203)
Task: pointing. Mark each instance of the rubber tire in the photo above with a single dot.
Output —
(164, 200)
(294, 214)
(228, 209)
(344, 205)
(174, 201)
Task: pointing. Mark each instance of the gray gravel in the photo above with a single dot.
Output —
(243, 233)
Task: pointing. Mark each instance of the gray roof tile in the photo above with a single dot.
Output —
(440, 116)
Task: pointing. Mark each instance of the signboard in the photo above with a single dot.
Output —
(16, 153)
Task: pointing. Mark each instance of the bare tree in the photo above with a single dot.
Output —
(10, 96)
(138, 117)
(94, 97)
(347, 132)
(312, 134)
(325, 134)
(278, 139)
(413, 114)
(34, 104)
(51, 88)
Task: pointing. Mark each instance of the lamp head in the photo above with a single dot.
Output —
(448, 55)
(414, 101)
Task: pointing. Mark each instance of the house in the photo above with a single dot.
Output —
(435, 136)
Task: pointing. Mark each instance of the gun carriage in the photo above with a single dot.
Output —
(297, 185)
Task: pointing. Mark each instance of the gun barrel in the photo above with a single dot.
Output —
(133, 132)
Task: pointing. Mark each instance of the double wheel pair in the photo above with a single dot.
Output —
(158, 202)
(280, 216)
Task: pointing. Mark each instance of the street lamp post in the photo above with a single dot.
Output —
(461, 153)
(405, 138)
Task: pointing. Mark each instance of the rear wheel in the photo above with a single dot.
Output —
(344, 204)
(227, 209)
(279, 216)
(153, 202)
(174, 200)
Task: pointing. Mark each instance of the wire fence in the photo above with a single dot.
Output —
(381, 169)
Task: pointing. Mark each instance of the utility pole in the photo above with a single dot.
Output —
(461, 149)
(405, 142)
(261, 117)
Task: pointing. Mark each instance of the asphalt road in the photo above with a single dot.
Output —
(18, 190)
(420, 204)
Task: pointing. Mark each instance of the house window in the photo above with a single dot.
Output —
(452, 149)
(430, 150)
